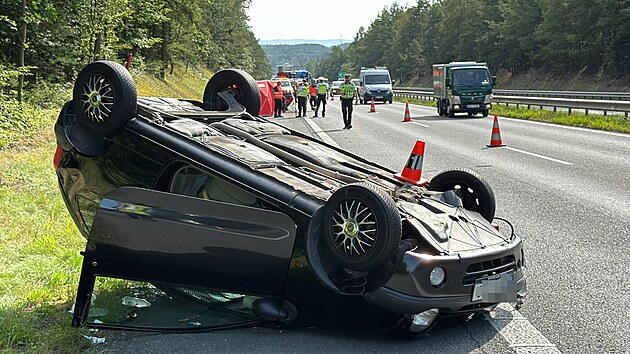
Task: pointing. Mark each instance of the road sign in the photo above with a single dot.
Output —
(340, 75)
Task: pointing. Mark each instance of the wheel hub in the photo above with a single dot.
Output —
(351, 228)
(94, 99)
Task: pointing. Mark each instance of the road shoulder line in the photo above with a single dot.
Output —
(320, 133)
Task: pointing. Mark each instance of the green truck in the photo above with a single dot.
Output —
(463, 87)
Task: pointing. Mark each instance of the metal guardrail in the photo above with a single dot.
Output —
(586, 101)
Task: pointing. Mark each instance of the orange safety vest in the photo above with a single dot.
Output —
(277, 92)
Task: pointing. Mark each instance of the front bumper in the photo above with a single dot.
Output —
(382, 96)
(409, 290)
(472, 107)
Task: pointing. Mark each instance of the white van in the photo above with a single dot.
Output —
(375, 83)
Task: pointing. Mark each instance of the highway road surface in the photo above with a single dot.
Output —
(567, 191)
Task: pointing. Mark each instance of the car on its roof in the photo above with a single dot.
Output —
(203, 215)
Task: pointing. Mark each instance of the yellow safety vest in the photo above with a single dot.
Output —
(322, 89)
(347, 90)
(302, 91)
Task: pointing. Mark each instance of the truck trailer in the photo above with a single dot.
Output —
(460, 87)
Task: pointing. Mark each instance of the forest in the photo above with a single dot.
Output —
(297, 55)
(559, 38)
(49, 41)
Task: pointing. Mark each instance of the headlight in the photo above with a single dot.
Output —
(488, 99)
(456, 100)
(437, 276)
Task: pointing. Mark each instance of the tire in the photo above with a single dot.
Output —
(239, 83)
(104, 98)
(484, 113)
(475, 192)
(365, 244)
(450, 111)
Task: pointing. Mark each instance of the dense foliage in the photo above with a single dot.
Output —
(64, 35)
(560, 37)
(297, 55)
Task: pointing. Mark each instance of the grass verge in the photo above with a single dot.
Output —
(39, 256)
(615, 123)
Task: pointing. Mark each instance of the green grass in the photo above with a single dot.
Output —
(616, 122)
(39, 243)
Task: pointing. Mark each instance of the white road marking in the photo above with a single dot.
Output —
(320, 133)
(420, 124)
(540, 156)
(588, 130)
(520, 334)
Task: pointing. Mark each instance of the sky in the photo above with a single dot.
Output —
(313, 19)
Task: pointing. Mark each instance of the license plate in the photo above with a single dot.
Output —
(473, 106)
(498, 288)
(377, 97)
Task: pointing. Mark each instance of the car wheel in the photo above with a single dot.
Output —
(475, 192)
(363, 227)
(239, 83)
(450, 111)
(485, 113)
(104, 98)
(391, 101)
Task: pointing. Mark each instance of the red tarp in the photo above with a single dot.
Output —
(266, 97)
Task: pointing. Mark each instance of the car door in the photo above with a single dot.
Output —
(203, 233)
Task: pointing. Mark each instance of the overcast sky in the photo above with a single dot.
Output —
(313, 19)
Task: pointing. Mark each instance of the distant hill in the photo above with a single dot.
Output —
(297, 55)
(324, 42)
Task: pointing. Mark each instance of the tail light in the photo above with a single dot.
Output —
(57, 158)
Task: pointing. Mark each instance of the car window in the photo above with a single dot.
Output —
(131, 304)
(470, 77)
(377, 79)
(192, 182)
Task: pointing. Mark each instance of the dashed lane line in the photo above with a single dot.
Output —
(420, 124)
(519, 333)
(538, 155)
(320, 133)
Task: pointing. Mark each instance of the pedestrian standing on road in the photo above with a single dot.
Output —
(302, 93)
(278, 96)
(322, 91)
(313, 93)
(347, 96)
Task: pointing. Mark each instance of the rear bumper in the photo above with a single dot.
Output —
(378, 97)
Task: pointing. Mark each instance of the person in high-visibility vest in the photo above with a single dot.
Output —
(278, 97)
(302, 93)
(347, 95)
(313, 92)
(322, 91)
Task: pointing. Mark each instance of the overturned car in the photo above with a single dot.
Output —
(202, 215)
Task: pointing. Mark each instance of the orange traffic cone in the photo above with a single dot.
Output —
(372, 107)
(407, 117)
(412, 172)
(495, 139)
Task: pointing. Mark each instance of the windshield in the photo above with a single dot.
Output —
(285, 84)
(376, 79)
(471, 77)
(336, 83)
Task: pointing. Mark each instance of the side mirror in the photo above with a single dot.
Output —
(393, 82)
(360, 83)
(494, 80)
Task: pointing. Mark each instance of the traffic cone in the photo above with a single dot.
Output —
(372, 107)
(412, 172)
(407, 114)
(495, 139)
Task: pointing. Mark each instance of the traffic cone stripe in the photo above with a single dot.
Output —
(412, 172)
(372, 107)
(495, 138)
(407, 117)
